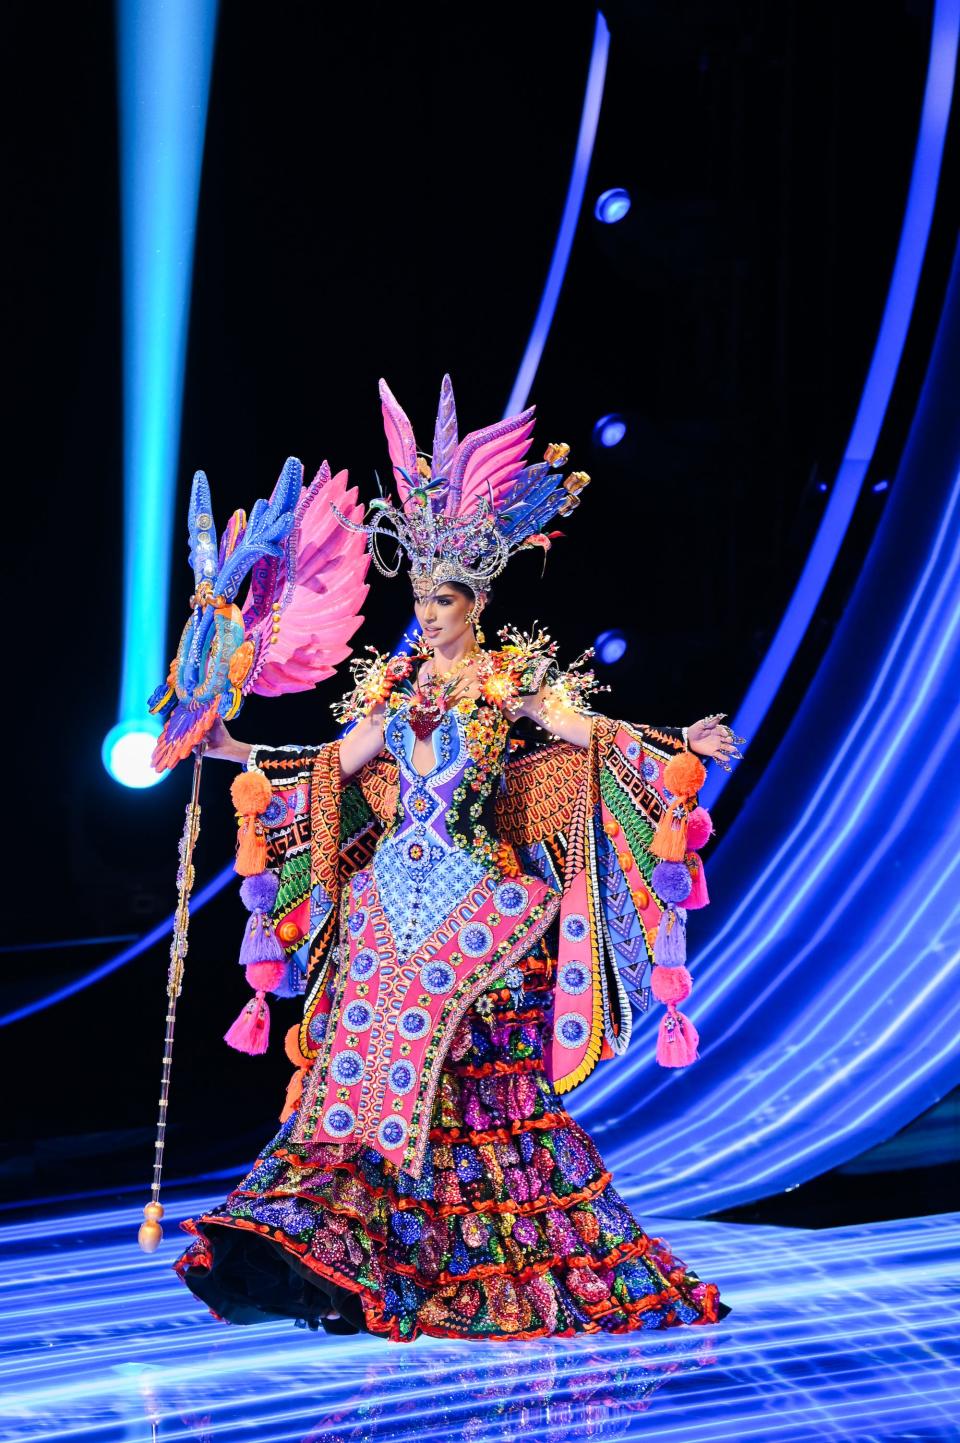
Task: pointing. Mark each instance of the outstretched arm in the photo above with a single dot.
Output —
(548, 709)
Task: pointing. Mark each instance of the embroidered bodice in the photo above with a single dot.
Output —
(441, 840)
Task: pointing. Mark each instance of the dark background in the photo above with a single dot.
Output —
(381, 193)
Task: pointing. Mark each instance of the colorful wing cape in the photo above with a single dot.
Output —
(307, 584)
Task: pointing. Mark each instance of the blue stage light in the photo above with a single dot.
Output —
(833, 1334)
(880, 485)
(126, 753)
(589, 117)
(827, 997)
(164, 55)
(610, 646)
(884, 364)
(609, 431)
(612, 205)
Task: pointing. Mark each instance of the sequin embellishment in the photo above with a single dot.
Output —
(573, 977)
(339, 1120)
(475, 939)
(571, 1030)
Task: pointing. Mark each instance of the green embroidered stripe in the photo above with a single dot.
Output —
(294, 882)
(355, 813)
(637, 829)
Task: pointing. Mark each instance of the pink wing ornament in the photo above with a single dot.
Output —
(307, 584)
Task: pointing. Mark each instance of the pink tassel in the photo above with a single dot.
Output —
(251, 1031)
(677, 1040)
(699, 896)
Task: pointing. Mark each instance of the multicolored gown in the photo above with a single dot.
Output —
(464, 940)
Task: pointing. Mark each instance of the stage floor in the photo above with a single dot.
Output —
(846, 1333)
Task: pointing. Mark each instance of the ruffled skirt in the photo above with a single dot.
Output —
(514, 1229)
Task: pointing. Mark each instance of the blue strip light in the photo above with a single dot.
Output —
(165, 53)
(561, 255)
(928, 155)
(589, 117)
(828, 998)
(832, 1335)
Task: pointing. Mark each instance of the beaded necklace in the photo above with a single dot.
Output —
(434, 695)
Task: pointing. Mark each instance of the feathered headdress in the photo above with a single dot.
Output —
(466, 509)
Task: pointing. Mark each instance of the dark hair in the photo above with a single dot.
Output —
(465, 590)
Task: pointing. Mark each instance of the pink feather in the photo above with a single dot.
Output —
(400, 440)
(489, 460)
(319, 586)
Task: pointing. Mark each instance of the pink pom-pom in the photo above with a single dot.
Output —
(251, 1031)
(699, 829)
(265, 976)
(699, 896)
(670, 984)
(677, 1040)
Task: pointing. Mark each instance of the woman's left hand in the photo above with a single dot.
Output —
(711, 739)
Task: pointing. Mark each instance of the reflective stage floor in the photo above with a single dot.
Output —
(845, 1333)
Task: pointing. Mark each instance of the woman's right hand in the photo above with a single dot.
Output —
(219, 743)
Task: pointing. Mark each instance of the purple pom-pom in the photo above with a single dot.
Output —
(672, 881)
(259, 892)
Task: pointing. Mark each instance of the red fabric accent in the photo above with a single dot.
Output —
(441, 1210)
(499, 1134)
(374, 1311)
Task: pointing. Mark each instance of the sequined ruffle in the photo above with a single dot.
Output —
(512, 1230)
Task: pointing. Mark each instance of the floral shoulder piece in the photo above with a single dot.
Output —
(377, 677)
(531, 660)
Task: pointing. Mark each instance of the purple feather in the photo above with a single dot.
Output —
(445, 431)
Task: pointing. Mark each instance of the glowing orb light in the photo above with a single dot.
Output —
(126, 753)
(612, 205)
(610, 646)
(609, 431)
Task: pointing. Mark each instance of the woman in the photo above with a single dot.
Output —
(453, 908)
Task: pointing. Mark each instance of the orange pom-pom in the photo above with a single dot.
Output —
(291, 1046)
(251, 793)
(684, 774)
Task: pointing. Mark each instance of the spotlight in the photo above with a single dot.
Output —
(609, 430)
(880, 485)
(126, 751)
(612, 205)
(610, 646)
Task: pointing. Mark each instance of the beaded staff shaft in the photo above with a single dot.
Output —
(151, 1233)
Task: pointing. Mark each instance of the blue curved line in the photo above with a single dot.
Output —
(156, 934)
(596, 76)
(901, 296)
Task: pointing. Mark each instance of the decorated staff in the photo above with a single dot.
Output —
(306, 587)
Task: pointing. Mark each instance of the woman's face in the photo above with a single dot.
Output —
(443, 616)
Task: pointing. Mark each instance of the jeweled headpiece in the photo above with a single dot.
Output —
(466, 509)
